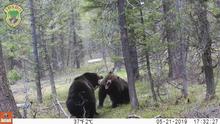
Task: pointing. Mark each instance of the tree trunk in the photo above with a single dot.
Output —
(74, 46)
(78, 53)
(11, 63)
(218, 3)
(51, 74)
(117, 53)
(75, 42)
(148, 62)
(26, 88)
(35, 53)
(206, 45)
(150, 77)
(177, 42)
(171, 36)
(182, 45)
(61, 52)
(54, 59)
(7, 101)
(104, 55)
(68, 52)
(126, 54)
(70, 44)
(77, 61)
(134, 54)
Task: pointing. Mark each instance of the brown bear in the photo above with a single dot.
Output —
(81, 101)
(116, 88)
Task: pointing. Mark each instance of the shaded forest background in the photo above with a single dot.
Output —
(167, 50)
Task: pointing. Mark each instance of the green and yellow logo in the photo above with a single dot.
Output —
(13, 15)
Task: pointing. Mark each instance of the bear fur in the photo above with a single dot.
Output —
(81, 101)
(116, 88)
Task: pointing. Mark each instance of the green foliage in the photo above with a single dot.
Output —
(146, 34)
(13, 13)
(11, 48)
(116, 58)
(13, 76)
(214, 9)
(96, 23)
(97, 4)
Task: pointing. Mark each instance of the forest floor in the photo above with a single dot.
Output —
(197, 107)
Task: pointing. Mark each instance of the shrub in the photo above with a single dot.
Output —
(13, 76)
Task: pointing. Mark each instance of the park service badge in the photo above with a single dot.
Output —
(13, 15)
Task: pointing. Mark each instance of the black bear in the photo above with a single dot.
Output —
(116, 88)
(81, 100)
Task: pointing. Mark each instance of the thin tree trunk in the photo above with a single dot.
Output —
(206, 43)
(7, 101)
(177, 42)
(117, 53)
(70, 44)
(35, 53)
(126, 54)
(134, 54)
(61, 52)
(74, 41)
(53, 52)
(218, 3)
(51, 74)
(77, 61)
(171, 36)
(73, 26)
(183, 45)
(47, 59)
(104, 55)
(77, 51)
(148, 62)
(150, 77)
(26, 88)
(68, 53)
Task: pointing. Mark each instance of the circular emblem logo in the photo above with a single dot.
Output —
(13, 15)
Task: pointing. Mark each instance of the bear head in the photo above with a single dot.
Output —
(108, 80)
(93, 78)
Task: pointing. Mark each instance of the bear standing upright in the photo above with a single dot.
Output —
(81, 100)
(116, 88)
